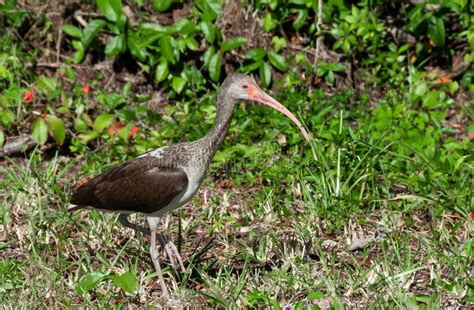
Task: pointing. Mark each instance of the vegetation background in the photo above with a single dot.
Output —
(377, 211)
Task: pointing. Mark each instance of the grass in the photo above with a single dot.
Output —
(376, 212)
(281, 238)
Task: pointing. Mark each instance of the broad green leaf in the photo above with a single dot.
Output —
(278, 61)
(256, 53)
(178, 84)
(111, 9)
(103, 121)
(166, 48)
(91, 31)
(210, 8)
(233, 43)
(88, 135)
(127, 281)
(56, 126)
(191, 43)
(162, 71)
(73, 31)
(115, 46)
(208, 55)
(135, 46)
(78, 56)
(2, 138)
(79, 124)
(252, 66)
(184, 26)
(265, 72)
(40, 131)
(89, 282)
(209, 31)
(436, 32)
(160, 5)
(122, 22)
(150, 28)
(215, 66)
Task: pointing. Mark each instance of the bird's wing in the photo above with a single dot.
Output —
(141, 185)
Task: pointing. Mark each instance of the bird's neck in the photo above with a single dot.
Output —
(217, 134)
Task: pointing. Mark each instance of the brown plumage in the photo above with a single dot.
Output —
(140, 185)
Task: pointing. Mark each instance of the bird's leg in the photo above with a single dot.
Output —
(155, 258)
(123, 219)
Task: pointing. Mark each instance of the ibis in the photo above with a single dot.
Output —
(166, 178)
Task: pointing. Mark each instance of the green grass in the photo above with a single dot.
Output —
(281, 237)
(390, 168)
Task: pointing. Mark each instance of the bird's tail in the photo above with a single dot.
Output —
(72, 207)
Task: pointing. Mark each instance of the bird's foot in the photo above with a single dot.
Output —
(173, 255)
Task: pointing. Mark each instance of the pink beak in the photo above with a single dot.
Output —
(256, 94)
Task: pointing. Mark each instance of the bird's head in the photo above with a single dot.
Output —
(239, 86)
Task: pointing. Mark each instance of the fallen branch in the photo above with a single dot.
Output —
(17, 145)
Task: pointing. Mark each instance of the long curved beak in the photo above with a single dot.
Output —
(256, 94)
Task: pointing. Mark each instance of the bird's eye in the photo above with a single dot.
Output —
(245, 86)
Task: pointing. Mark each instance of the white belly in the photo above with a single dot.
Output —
(195, 177)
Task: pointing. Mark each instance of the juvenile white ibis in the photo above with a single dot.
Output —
(168, 177)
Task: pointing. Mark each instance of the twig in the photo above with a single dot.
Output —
(58, 44)
(319, 38)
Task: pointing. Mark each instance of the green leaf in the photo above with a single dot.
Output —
(209, 31)
(178, 84)
(162, 71)
(115, 46)
(215, 66)
(191, 43)
(78, 56)
(40, 131)
(252, 66)
(268, 22)
(256, 53)
(89, 282)
(160, 5)
(278, 61)
(300, 19)
(135, 46)
(166, 48)
(73, 31)
(111, 9)
(127, 281)
(208, 55)
(266, 74)
(314, 295)
(184, 26)
(2, 138)
(91, 31)
(278, 43)
(233, 43)
(436, 32)
(88, 135)
(56, 125)
(103, 121)
(46, 85)
(210, 8)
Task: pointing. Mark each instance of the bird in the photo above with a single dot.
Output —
(166, 178)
